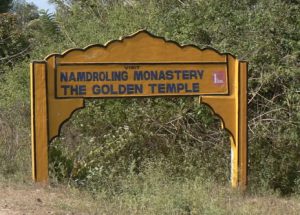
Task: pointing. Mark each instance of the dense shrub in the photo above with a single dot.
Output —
(111, 138)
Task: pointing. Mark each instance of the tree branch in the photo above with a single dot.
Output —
(15, 55)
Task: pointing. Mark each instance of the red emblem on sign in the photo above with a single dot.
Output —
(218, 78)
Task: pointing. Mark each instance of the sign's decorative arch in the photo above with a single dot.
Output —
(137, 66)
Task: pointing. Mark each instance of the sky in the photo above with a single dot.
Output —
(43, 4)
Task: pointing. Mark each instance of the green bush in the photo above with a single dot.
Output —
(15, 123)
(127, 134)
(110, 139)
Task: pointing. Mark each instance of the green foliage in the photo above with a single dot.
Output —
(126, 135)
(45, 28)
(112, 139)
(49, 25)
(15, 36)
(25, 12)
(5, 6)
(15, 122)
(13, 42)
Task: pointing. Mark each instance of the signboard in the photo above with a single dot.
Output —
(139, 65)
(140, 79)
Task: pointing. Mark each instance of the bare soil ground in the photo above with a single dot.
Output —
(39, 200)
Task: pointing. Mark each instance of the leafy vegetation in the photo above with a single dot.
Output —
(113, 139)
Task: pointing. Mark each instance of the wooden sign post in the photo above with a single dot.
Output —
(140, 65)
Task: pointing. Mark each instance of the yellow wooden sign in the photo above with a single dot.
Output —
(137, 66)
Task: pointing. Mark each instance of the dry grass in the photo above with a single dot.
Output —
(147, 197)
